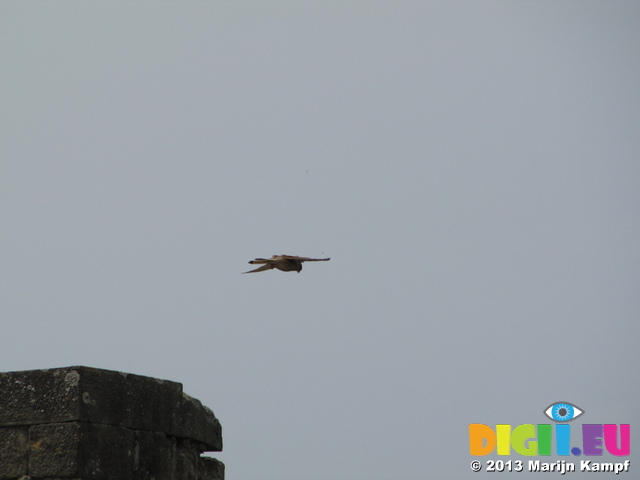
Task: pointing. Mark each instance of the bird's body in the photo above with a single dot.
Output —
(286, 263)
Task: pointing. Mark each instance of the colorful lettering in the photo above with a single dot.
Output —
(482, 439)
(522, 435)
(596, 439)
(544, 439)
(611, 439)
(563, 437)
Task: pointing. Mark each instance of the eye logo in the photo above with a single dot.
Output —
(563, 412)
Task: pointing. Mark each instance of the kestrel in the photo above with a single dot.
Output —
(286, 263)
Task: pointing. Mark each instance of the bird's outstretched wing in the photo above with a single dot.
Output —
(260, 269)
(305, 259)
(269, 263)
(263, 260)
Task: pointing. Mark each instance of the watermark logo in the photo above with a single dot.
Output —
(545, 439)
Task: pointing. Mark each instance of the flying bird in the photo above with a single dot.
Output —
(286, 263)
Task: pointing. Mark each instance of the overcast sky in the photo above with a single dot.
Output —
(471, 168)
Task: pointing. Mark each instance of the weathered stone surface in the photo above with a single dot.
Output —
(200, 423)
(106, 397)
(38, 396)
(80, 423)
(131, 401)
(13, 452)
(213, 469)
(191, 466)
(154, 456)
(83, 450)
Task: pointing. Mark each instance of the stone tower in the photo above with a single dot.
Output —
(84, 423)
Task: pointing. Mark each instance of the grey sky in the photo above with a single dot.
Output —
(470, 167)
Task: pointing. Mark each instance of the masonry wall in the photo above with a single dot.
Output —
(84, 423)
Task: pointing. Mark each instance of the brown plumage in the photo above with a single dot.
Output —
(286, 263)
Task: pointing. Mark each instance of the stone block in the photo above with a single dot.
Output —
(198, 422)
(106, 397)
(38, 396)
(213, 469)
(13, 452)
(154, 456)
(81, 450)
(189, 464)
